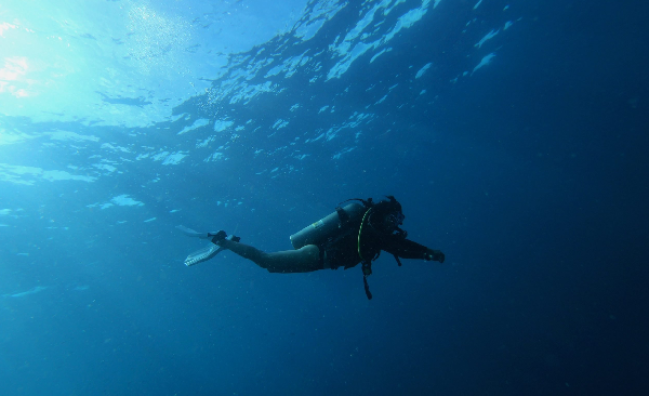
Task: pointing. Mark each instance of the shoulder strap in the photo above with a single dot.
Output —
(342, 215)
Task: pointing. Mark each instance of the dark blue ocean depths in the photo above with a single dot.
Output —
(514, 133)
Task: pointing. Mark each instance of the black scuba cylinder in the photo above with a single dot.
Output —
(328, 226)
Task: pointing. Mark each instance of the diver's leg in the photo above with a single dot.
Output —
(306, 259)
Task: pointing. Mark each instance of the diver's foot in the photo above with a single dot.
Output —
(221, 235)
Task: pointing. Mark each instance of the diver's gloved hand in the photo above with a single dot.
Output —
(434, 255)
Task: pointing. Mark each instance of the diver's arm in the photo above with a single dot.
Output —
(408, 249)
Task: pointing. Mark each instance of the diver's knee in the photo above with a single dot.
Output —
(311, 251)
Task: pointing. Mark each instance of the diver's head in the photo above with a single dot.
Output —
(393, 220)
(387, 216)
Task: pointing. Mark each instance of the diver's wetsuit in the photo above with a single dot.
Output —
(334, 253)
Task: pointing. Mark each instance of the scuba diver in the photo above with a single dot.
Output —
(354, 234)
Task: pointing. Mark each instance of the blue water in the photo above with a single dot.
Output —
(514, 134)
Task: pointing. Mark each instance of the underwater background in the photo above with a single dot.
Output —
(514, 133)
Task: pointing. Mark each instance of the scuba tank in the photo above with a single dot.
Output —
(328, 226)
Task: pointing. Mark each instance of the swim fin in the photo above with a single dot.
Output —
(207, 252)
(192, 233)
(203, 254)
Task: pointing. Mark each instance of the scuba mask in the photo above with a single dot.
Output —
(389, 223)
(396, 218)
